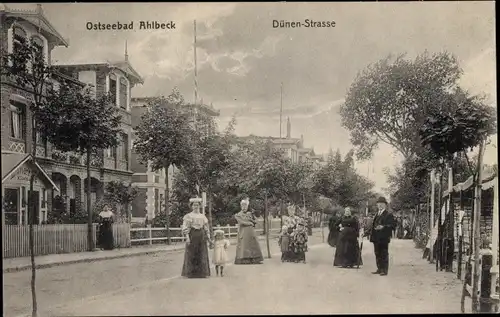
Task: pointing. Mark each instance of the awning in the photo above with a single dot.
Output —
(488, 182)
(11, 162)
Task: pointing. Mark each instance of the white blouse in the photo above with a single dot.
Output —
(195, 221)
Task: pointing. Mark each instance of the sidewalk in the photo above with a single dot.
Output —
(45, 261)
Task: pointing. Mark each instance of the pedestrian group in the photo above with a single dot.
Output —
(345, 233)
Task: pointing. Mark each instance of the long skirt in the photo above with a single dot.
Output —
(248, 248)
(196, 262)
(285, 247)
(106, 240)
(333, 237)
(299, 247)
(347, 253)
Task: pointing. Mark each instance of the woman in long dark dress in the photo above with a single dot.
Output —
(195, 229)
(347, 252)
(106, 240)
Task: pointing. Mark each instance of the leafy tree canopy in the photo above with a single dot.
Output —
(390, 100)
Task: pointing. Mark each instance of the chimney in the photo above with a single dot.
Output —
(288, 128)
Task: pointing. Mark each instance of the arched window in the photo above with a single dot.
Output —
(19, 39)
(39, 45)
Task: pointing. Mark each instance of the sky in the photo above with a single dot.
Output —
(242, 60)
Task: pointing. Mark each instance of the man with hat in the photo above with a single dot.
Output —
(382, 227)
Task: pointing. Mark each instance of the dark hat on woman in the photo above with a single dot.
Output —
(382, 200)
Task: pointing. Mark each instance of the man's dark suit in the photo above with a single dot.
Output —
(381, 239)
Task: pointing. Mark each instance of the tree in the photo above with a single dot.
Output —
(27, 68)
(73, 119)
(164, 138)
(453, 131)
(339, 181)
(121, 195)
(390, 100)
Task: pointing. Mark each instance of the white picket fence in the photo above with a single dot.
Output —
(151, 235)
(56, 239)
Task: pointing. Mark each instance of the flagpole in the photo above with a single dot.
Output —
(195, 67)
(195, 110)
(281, 115)
(281, 109)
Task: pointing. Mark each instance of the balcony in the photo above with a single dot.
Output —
(122, 165)
(109, 163)
(95, 160)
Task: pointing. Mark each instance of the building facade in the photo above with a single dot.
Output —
(66, 171)
(293, 147)
(150, 184)
(112, 164)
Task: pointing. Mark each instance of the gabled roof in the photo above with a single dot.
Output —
(11, 162)
(38, 19)
(124, 66)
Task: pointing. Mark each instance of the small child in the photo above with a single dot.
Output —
(220, 251)
(284, 242)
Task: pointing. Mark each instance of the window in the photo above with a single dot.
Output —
(124, 147)
(38, 44)
(112, 89)
(111, 152)
(123, 93)
(11, 206)
(17, 118)
(39, 138)
(44, 197)
(18, 40)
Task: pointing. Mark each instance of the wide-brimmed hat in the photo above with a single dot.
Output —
(382, 200)
(218, 231)
(196, 200)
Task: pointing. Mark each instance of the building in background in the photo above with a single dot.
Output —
(151, 184)
(293, 147)
(113, 164)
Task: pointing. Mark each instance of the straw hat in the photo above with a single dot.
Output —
(195, 200)
(219, 232)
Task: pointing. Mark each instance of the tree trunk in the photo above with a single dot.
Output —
(477, 228)
(321, 226)
(32, 217)
(439, 240)
(210, 219)
(451, 226)
(431, 220)
(167, 207)
(267, 226)
(90, 238)
(281, 214)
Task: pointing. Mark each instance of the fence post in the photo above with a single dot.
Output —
(229, 231)
(150, 234)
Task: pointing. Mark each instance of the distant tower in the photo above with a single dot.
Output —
(288, 128)
(302, 140)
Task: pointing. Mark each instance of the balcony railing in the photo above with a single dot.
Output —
(17, 146)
